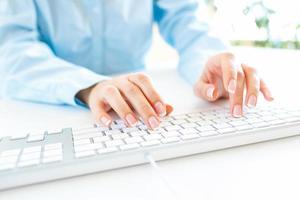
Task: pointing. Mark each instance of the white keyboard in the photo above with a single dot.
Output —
(38, 157)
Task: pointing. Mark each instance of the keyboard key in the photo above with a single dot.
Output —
(143, 127)
(244, 127)
(107, 150)
(32, 149)
(53, 146)
(114, 143)
(35, 137)
(53, 159)
(150, 143)
(156, 131)
(28, 163)
(86, 135)
(54, 131)
(130, 129)
(164, 124)
(8, 159)
(238, 123)
(81, 142)
(208, 133)
(173, 128)
(179, 121)
(7, 166)
(206, 128)
(53, 152)
(260, 125)
(254, 121)
(101, 139)
(118, 126)
(189, 125)
(170, 134)
(170, 140)
(30, 156)
(152, 137)
(189, 136)
(188, 131)
(111, 132)
(129, 146)
(222, 126)
(180, 116)
(135, 139)
(226, 130)
(83, 154)
(18, 137)
(119, 136)
(138, 133)
(13, 152)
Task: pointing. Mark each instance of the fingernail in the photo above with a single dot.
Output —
(270, 96)
(251, 101)
(105, 121)
(237, 111)
(232, 86)
(160, 109)
(210, 92)
(153, 122)
(131, 120)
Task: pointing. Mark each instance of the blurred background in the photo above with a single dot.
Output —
(246, 23)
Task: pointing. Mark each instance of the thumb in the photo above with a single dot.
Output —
(207, 91)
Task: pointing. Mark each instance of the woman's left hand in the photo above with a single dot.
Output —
(223, 77)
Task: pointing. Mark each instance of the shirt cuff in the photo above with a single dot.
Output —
(79, 80)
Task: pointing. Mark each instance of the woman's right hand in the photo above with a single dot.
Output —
(127, 95)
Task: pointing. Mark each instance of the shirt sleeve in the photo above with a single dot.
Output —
(180, 27)
(29, 70)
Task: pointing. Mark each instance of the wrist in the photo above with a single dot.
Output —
(84, 94)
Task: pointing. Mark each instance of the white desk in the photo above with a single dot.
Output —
(268, 170)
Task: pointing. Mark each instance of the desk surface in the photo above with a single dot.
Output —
(267, 170)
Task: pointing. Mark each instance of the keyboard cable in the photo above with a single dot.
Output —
(161, 175)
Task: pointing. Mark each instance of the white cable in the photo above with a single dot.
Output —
(161, 175)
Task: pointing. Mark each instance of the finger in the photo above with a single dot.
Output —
(252, 84)
(207, 91)
(236, 99)
(98, 109)
(114, 98)
(140, 103)
(145, 85)
(169, 109)
(229, 69)
(265, 91)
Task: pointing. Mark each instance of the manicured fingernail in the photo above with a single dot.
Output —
(232, 86)
(251, 101)
(105, 121)
(210, 92)
(237, 111)
(131, 120)
(269, 96)
(153, 122)
(160, 109)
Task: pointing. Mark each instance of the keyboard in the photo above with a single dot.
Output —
(55, 154)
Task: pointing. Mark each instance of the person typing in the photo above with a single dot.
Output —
(63, 52)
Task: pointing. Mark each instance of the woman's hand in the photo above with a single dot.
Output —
(126, 94)
(223, 77)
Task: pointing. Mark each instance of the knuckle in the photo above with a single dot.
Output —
(142, 77)
(228, 55)
(131, 89)
(110, 90)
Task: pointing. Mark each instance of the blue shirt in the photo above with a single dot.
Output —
(50, 50)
